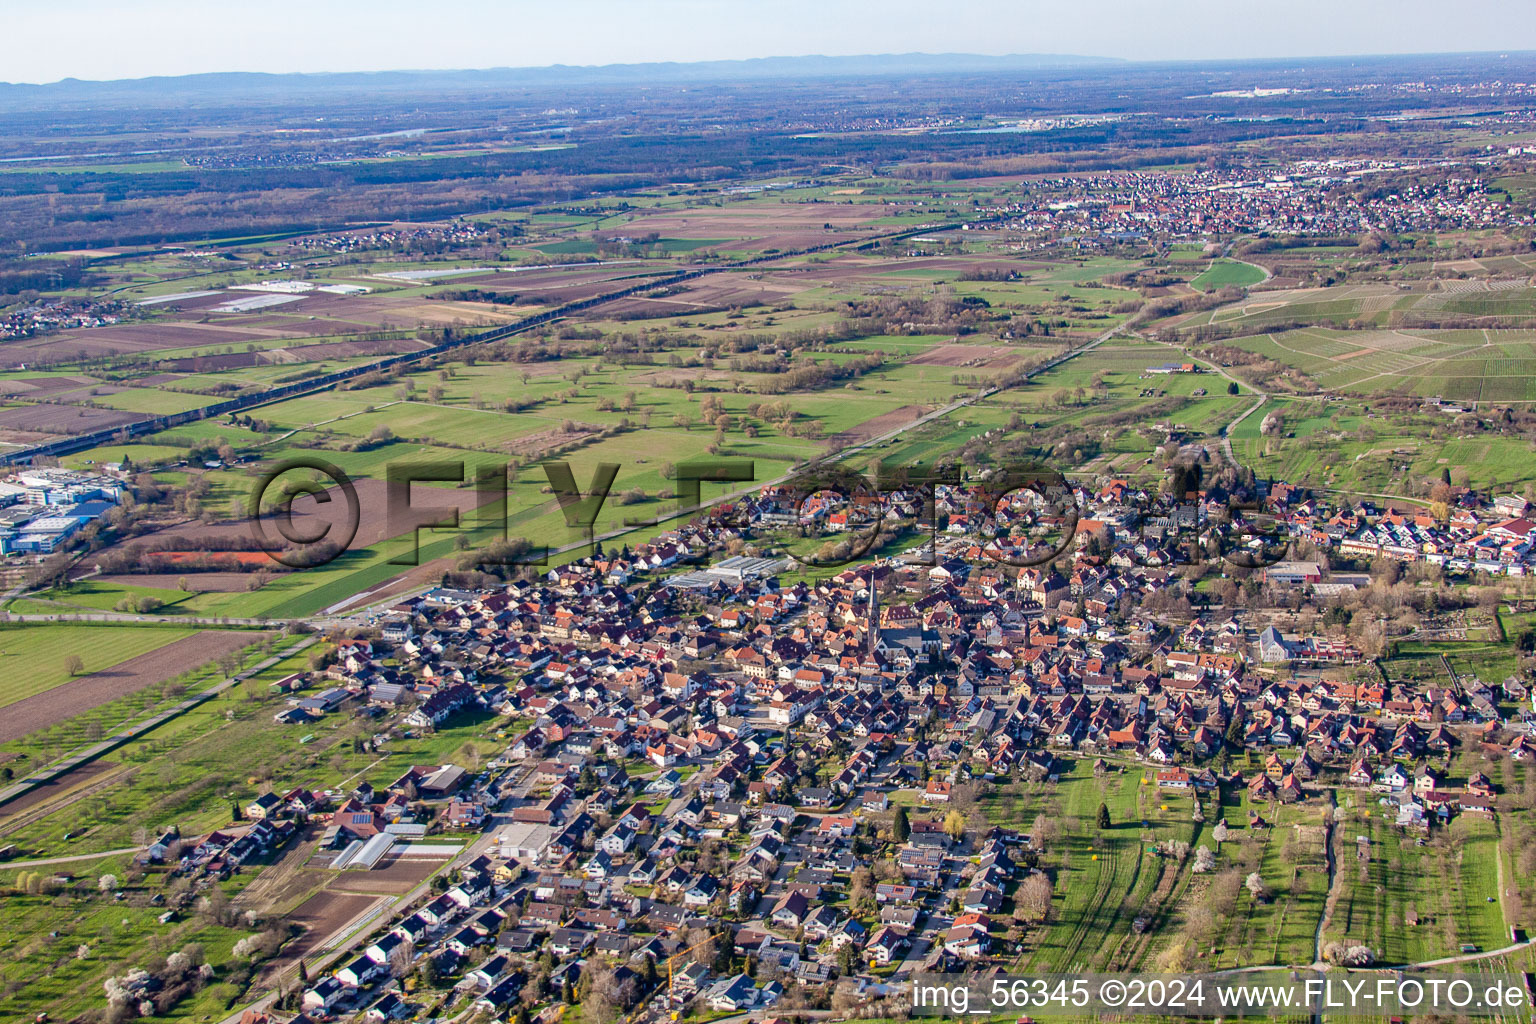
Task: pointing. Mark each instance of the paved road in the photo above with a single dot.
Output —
(1256, 266)
(1468, 957)
(127, 618)
(69, 860)
(357, 615)
(1226, 434)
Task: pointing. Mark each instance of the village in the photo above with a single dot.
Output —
(1306, 197)
(732, 786)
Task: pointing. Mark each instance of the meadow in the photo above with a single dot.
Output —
(33, 658)
(1228, 273)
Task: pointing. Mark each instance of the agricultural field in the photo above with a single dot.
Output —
(1457, 366)
(36, 660)
(1108, 880)
(167, 657)
(648, 410)
(1411, 901)
(184, 773)
(1226, 273)
(688, 378)
(1417, 902)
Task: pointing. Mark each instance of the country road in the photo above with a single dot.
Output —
(1469, 957)
(46, 861)
(129, 618)
(335, 953)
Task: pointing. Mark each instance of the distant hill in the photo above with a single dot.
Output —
(224, 87)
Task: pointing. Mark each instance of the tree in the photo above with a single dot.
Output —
(106, 883)
(861, 894)
(1034, 898)
(73, 664)
(53, 571)
(1219, 833)
(400, 960)
(1205, 861)
(901, 828)
(954, 825)
(1233, 389)
(1257, 888)
(214, 907)
(1104, 821)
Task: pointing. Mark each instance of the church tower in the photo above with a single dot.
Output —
(872, 618)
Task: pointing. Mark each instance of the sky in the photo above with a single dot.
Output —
(110, 39)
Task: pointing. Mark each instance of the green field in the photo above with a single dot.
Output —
(1411, 902)
(1225, 273)
(33, 657)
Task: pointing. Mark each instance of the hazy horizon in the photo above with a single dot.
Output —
(107, 42)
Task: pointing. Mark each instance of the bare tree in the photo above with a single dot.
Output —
(1044, 831)
(1034, 897)
(400, 959)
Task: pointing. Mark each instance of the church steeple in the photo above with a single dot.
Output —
(872, 618)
